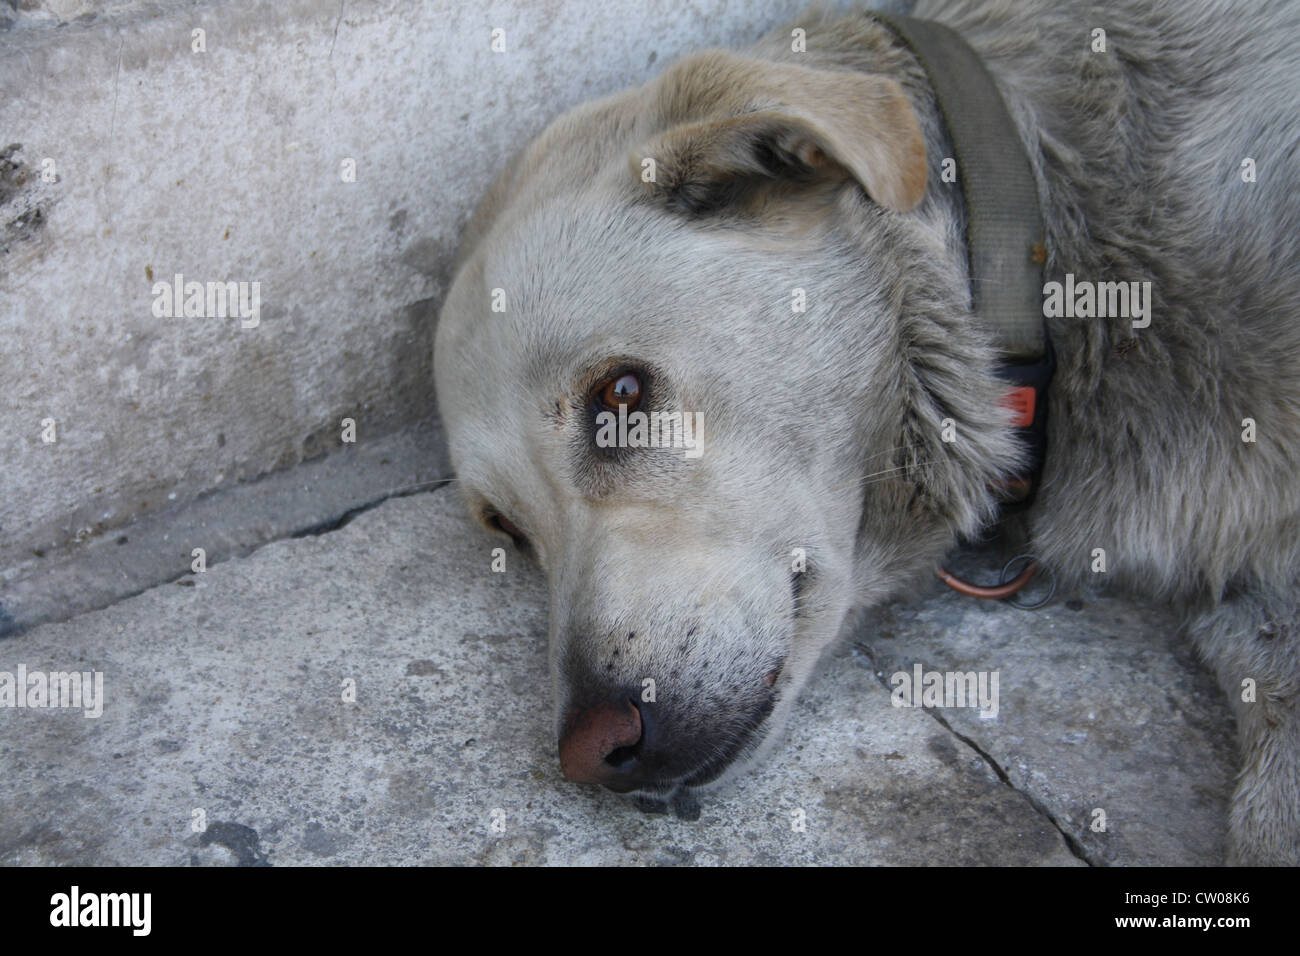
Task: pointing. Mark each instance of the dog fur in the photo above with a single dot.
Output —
(820, 170)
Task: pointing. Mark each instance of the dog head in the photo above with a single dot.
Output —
(742, 247)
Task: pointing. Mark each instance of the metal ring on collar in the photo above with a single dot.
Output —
(1033, 563)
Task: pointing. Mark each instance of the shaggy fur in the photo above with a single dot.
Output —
(821, 171)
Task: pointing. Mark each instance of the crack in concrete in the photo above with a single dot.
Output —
(1073, 845)
(117, 75)
(323, 527)
(1076, 849)
(334, 74)
(334, 524)
(335, 38)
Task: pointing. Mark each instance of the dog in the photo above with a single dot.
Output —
(642, 255)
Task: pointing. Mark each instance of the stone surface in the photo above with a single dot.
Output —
(1102, 706)
(227, 165)
(224, 693)
(85, 575)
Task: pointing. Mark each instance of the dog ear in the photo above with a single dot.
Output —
(735, 123)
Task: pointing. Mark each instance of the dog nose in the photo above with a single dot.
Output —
(597, 745)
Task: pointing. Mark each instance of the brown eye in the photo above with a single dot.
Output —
(623, 389)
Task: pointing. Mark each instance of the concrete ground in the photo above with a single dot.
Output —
(225, 712)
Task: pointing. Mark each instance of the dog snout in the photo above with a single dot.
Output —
(600, 745)
(628, 746)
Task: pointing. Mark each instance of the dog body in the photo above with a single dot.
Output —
(863, 433)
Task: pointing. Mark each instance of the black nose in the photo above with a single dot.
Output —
(601, 743)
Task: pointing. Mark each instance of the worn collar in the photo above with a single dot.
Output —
(1004, 227)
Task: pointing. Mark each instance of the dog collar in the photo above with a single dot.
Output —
(1004, 230)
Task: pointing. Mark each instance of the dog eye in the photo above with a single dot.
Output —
(499, 522)
(622, 389)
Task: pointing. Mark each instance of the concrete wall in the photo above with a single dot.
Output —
(127, 158)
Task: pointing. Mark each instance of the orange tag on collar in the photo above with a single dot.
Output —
(1021, 401)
